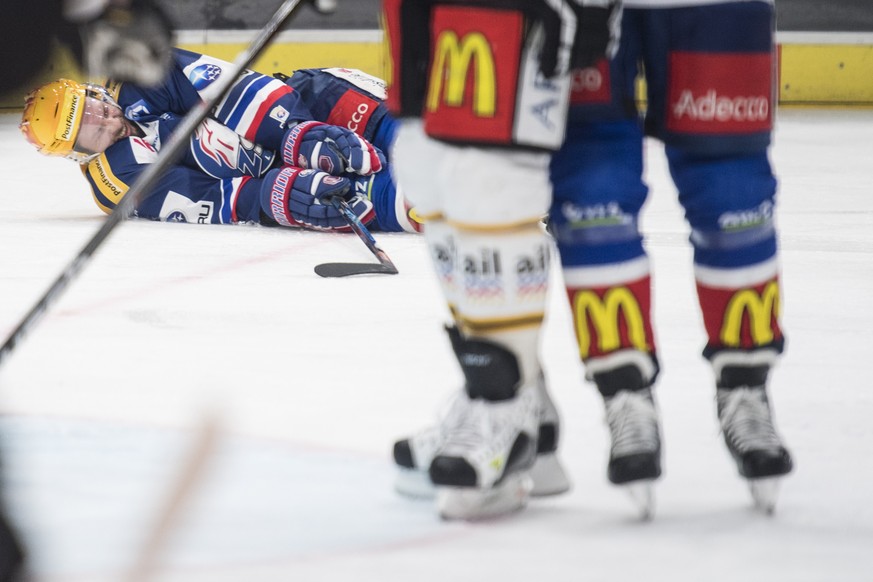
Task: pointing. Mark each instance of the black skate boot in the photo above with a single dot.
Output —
(635, 450)
(413, 454)
(749, 432)
(482, 467)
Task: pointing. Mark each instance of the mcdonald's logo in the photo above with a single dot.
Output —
(762, 309)
(604, 316)
(452, 60)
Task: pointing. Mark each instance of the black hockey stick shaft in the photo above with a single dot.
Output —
(359, 229)
(168, 154)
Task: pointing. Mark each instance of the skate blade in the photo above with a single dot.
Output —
(414, 484)
(765, 491)
(471, 504)
(549, 477)
(642, 494)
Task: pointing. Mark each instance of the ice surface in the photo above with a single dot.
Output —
(315, 378)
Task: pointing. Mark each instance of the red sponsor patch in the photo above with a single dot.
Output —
(591, 85)
(473, 74)
(352, 111)
(609, 319)
(741, 318)
(720, 93)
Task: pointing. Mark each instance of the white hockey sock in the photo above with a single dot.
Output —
(501, 283)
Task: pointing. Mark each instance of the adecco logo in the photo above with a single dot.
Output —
(714, 107)
(717, 93)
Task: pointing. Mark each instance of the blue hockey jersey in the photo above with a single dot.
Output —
(218, 184)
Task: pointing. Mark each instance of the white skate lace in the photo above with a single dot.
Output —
(453, 412)
(745, 419)
(633, 423)
(470, 432)
(428, 441)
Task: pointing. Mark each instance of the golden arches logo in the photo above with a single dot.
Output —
(604, 315)
(761, 309)
(452, 60)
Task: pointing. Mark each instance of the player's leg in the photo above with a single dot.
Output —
(482, 204)
(598, 196)
(491, 256)
(714, 110)
(598, 193)
(414, 453)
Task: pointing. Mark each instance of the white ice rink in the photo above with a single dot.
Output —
(313, 379)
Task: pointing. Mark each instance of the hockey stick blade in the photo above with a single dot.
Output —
(385, 265)
(331, 270)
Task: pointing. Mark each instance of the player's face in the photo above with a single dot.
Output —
(103, 124)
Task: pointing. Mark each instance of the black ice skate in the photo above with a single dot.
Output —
(749, 432)
(635, 450)
(413, 454)
(481, 469)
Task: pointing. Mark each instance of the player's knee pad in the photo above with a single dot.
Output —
(495, 188)
(729, 203)
(611, 310)
(476, 187)
(598, 193)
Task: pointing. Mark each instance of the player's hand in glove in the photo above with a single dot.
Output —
(330, 148)
(295, 197)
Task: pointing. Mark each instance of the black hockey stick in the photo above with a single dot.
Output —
(168, 154)
(385, 266)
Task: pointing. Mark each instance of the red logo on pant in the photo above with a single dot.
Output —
(720, 93)
(352, 111)
(591, 84)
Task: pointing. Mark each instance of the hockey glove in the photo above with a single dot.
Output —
(295, 197)
(330, 148)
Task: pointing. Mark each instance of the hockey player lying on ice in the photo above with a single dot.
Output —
(272, 152)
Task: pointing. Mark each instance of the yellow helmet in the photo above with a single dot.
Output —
(53, 115)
